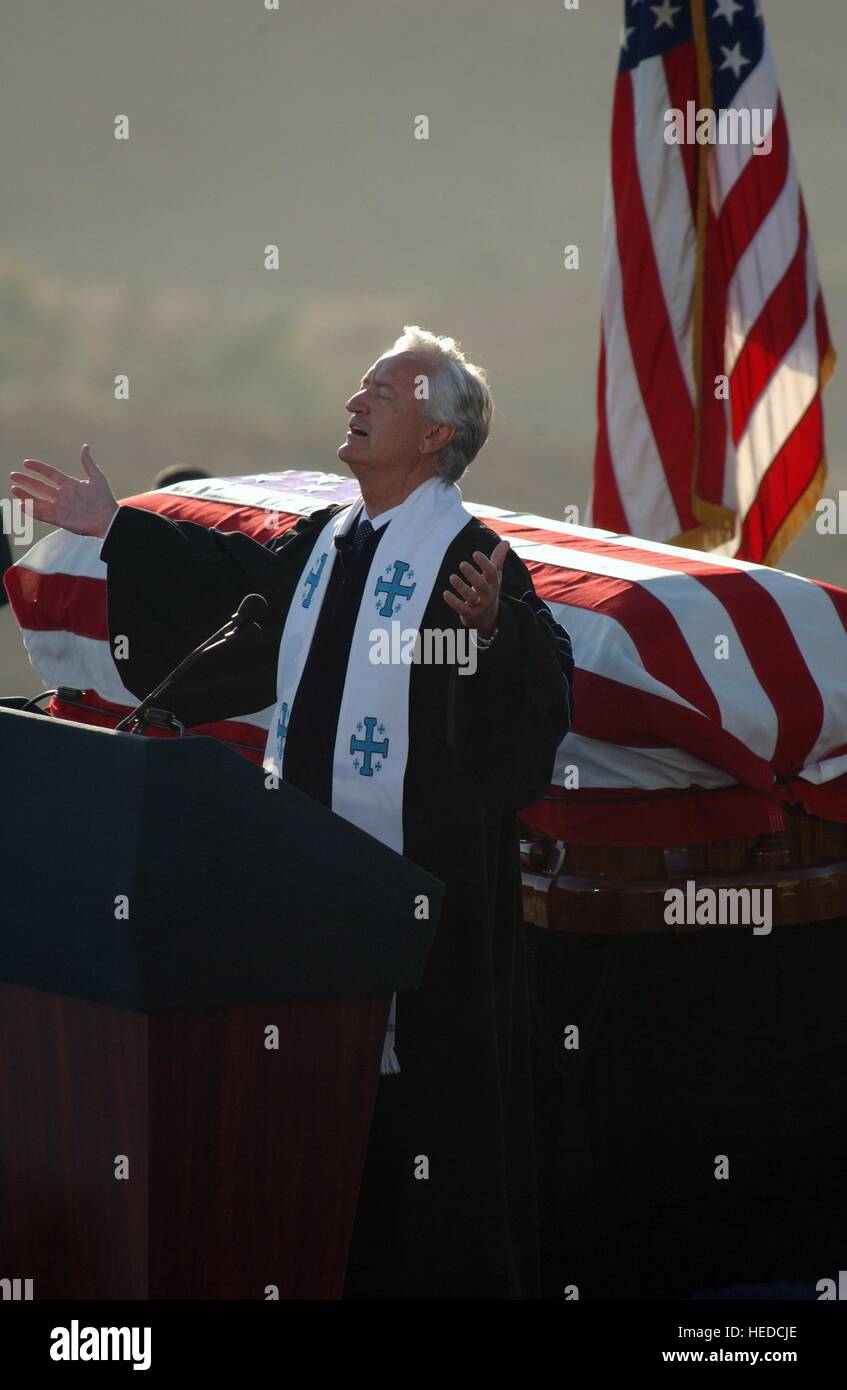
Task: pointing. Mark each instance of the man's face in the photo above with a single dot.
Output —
(385, 428)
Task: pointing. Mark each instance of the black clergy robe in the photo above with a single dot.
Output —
(481, 746)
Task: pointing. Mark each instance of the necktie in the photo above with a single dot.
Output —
(363, 531)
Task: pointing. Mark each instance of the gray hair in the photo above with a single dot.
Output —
(459, 395)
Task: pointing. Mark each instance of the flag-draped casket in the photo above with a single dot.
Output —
(710, 694)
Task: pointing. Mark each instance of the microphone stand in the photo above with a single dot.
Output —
(242, 624)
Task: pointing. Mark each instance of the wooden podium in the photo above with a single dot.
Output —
(195, 973)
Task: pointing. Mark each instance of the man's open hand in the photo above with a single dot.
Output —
(477, 596)
(83, 505)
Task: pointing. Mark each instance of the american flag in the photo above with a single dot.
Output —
(714, 344)
(687, 727)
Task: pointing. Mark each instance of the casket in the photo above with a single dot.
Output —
(709, 751)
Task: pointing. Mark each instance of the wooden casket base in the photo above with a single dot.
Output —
(620, 889)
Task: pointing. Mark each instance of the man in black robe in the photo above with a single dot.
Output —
(481, 746)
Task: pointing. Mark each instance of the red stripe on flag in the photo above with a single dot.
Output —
(602, 704)
(779, 665)
(631, 553)
(58, 603)
(786, 479)
(607, 499)
(222, 516)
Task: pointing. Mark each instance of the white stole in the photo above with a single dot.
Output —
(372, 738)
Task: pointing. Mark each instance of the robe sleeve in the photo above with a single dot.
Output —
(506, 721)
(171, 584)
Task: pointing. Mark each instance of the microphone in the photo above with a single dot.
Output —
(244, 624)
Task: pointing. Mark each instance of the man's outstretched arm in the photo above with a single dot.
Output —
(170, 585)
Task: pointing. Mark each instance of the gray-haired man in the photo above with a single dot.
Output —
(433, 759)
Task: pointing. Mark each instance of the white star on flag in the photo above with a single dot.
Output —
(664, 14)
(625, 33)
(733, 58)
(726, 9)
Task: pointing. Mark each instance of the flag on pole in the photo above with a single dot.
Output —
(714, 345)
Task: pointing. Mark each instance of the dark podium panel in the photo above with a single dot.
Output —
(195, 982)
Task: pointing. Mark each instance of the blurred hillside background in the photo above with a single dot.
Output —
(250, 127)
